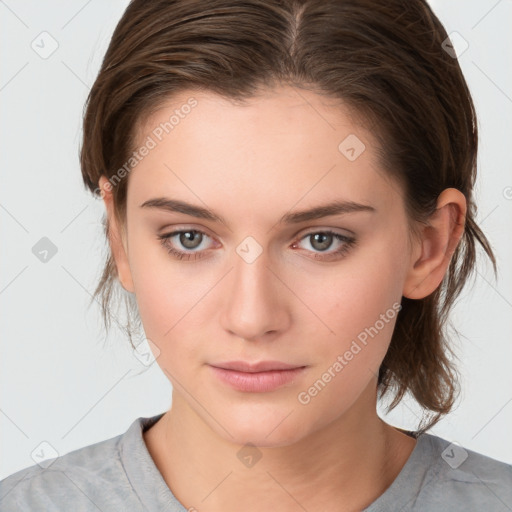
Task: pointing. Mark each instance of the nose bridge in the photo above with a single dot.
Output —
(253, 306)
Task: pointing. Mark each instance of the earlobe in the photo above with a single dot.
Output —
(432, 254)
(116, 240)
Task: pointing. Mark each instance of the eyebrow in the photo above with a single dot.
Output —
(318, 212)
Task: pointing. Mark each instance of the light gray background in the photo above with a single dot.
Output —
(59, 385)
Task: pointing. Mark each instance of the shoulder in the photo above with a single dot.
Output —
(458, 477)
(441, 475)
(89, 478)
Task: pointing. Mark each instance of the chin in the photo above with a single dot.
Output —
(271, 430)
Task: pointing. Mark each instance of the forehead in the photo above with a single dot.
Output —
(270, 110)
(282, 145)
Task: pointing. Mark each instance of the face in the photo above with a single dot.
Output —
(320, 292)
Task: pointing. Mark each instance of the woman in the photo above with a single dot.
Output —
(289, 202)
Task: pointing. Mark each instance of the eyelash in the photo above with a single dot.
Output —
(348, 244)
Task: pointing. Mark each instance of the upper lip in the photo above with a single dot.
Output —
(260, 366)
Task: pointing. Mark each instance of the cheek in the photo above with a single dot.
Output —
(177, 305)
(361, 308)
(164, 295)
(167, 314)
(358, 307)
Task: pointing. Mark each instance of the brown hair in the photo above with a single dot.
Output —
(384, 60)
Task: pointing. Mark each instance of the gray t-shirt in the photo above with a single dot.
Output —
(119, 474)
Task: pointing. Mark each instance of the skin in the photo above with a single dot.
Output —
(252, 164)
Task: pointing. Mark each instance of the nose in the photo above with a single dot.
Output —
(256, 305)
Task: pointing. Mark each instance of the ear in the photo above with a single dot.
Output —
(116, 237)
(431, 254)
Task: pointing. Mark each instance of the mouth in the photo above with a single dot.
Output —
(260, 377)
(260, 366)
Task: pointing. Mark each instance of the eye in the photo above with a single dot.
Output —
(190, 239)
(323, 240)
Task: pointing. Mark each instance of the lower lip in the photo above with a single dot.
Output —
(258, 382)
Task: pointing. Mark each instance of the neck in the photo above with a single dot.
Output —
(351, 461)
